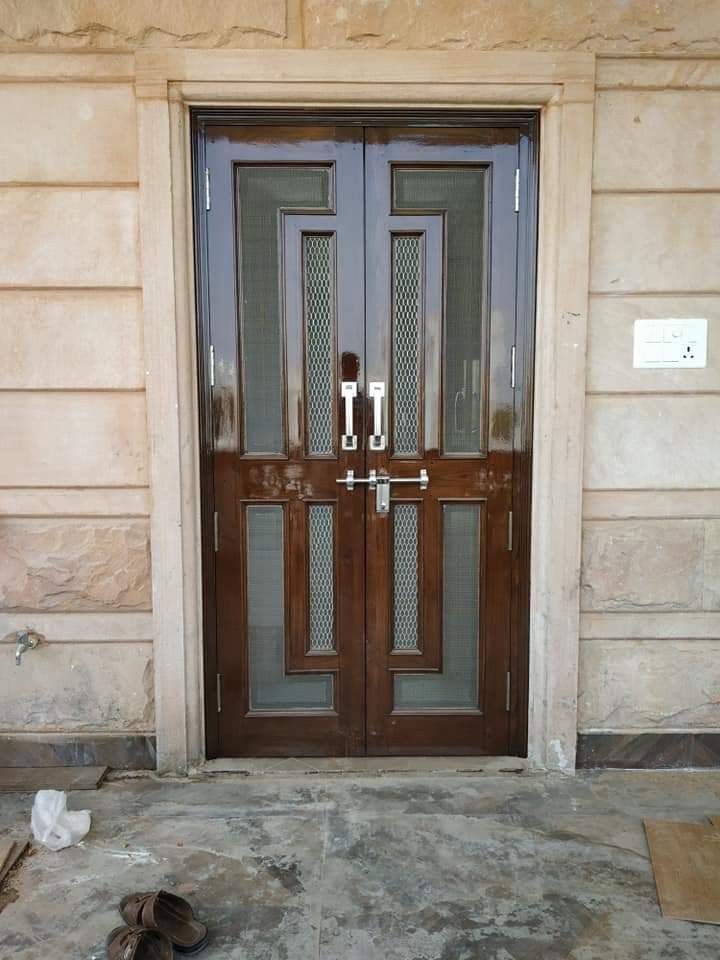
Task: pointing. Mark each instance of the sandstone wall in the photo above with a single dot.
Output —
(650, 647)
(74, 503)
(605, 26)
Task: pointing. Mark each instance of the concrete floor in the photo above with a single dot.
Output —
(440, 866)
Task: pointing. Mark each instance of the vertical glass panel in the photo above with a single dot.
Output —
(405, 576)
(457, 686)
(262, 193)
(319, 285)
(462, 192)
(270, 688)
(406, 307)
(321, 537)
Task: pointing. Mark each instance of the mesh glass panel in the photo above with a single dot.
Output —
(461, 191)
(322, 570)
(270, 688)
(405, 576)
(319, 283)
(261, 193)
(457, 686)
(406, 343)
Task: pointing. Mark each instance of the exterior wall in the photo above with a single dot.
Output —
(650, 628)
(74, 501)
(616, 26)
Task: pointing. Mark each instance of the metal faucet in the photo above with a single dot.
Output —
(26, 639)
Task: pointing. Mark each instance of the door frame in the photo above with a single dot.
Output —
(558, 85)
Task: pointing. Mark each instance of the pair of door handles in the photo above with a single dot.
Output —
(376, 390)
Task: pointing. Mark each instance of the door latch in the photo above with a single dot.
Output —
(350, 479)
(380, 483)
(382, 494)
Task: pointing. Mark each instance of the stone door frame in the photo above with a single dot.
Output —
(561, 86)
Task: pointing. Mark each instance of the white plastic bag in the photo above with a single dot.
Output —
(53, 824)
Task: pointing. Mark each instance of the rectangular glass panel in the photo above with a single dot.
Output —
(406, 334)
(405, 576)
(321, 536)
(263, 192)
(456, 687)
(319, 284)
(461, 193)
(270, 687)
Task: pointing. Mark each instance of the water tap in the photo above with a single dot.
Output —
(25, 639)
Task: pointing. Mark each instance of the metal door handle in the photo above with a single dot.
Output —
(348, 390)
(376, 390)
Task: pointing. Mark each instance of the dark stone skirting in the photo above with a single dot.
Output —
(648, 751)
(643, 751)
(118, 751)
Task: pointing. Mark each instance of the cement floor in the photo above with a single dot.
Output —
(395, 867)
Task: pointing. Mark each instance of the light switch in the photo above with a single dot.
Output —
(672, 342)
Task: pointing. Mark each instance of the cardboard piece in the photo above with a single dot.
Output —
(686, 861)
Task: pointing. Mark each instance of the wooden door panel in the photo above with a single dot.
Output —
(313, 617)
(286, 324)
(440, 285)
(414, 629)
(411, 337)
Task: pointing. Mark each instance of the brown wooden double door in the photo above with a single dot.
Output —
(362, 455)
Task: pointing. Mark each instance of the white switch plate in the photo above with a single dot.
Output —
(670, 342)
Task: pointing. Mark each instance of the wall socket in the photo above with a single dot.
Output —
(670, 342)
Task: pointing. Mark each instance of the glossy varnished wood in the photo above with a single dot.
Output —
(290, 479)
(523, 438)
(497, 480)
(483, 478)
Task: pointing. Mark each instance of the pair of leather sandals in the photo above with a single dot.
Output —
(157, 924)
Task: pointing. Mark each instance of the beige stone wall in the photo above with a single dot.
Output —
(650, 647)
(74, 502)
(604, 26)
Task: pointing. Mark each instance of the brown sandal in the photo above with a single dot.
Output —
(136, 943)
(170, 915)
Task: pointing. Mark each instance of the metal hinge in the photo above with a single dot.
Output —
(207, 188)
(510, 530)
(512, 366)
(215, 531)
(517, 191)
(212, 365)
(218, 687)
(507, 691)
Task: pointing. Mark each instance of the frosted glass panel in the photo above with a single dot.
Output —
(405, 576)
(461, 191)
(406, 333)
(457, 686)
(270, 689)
(262, 192)
(322, 576)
